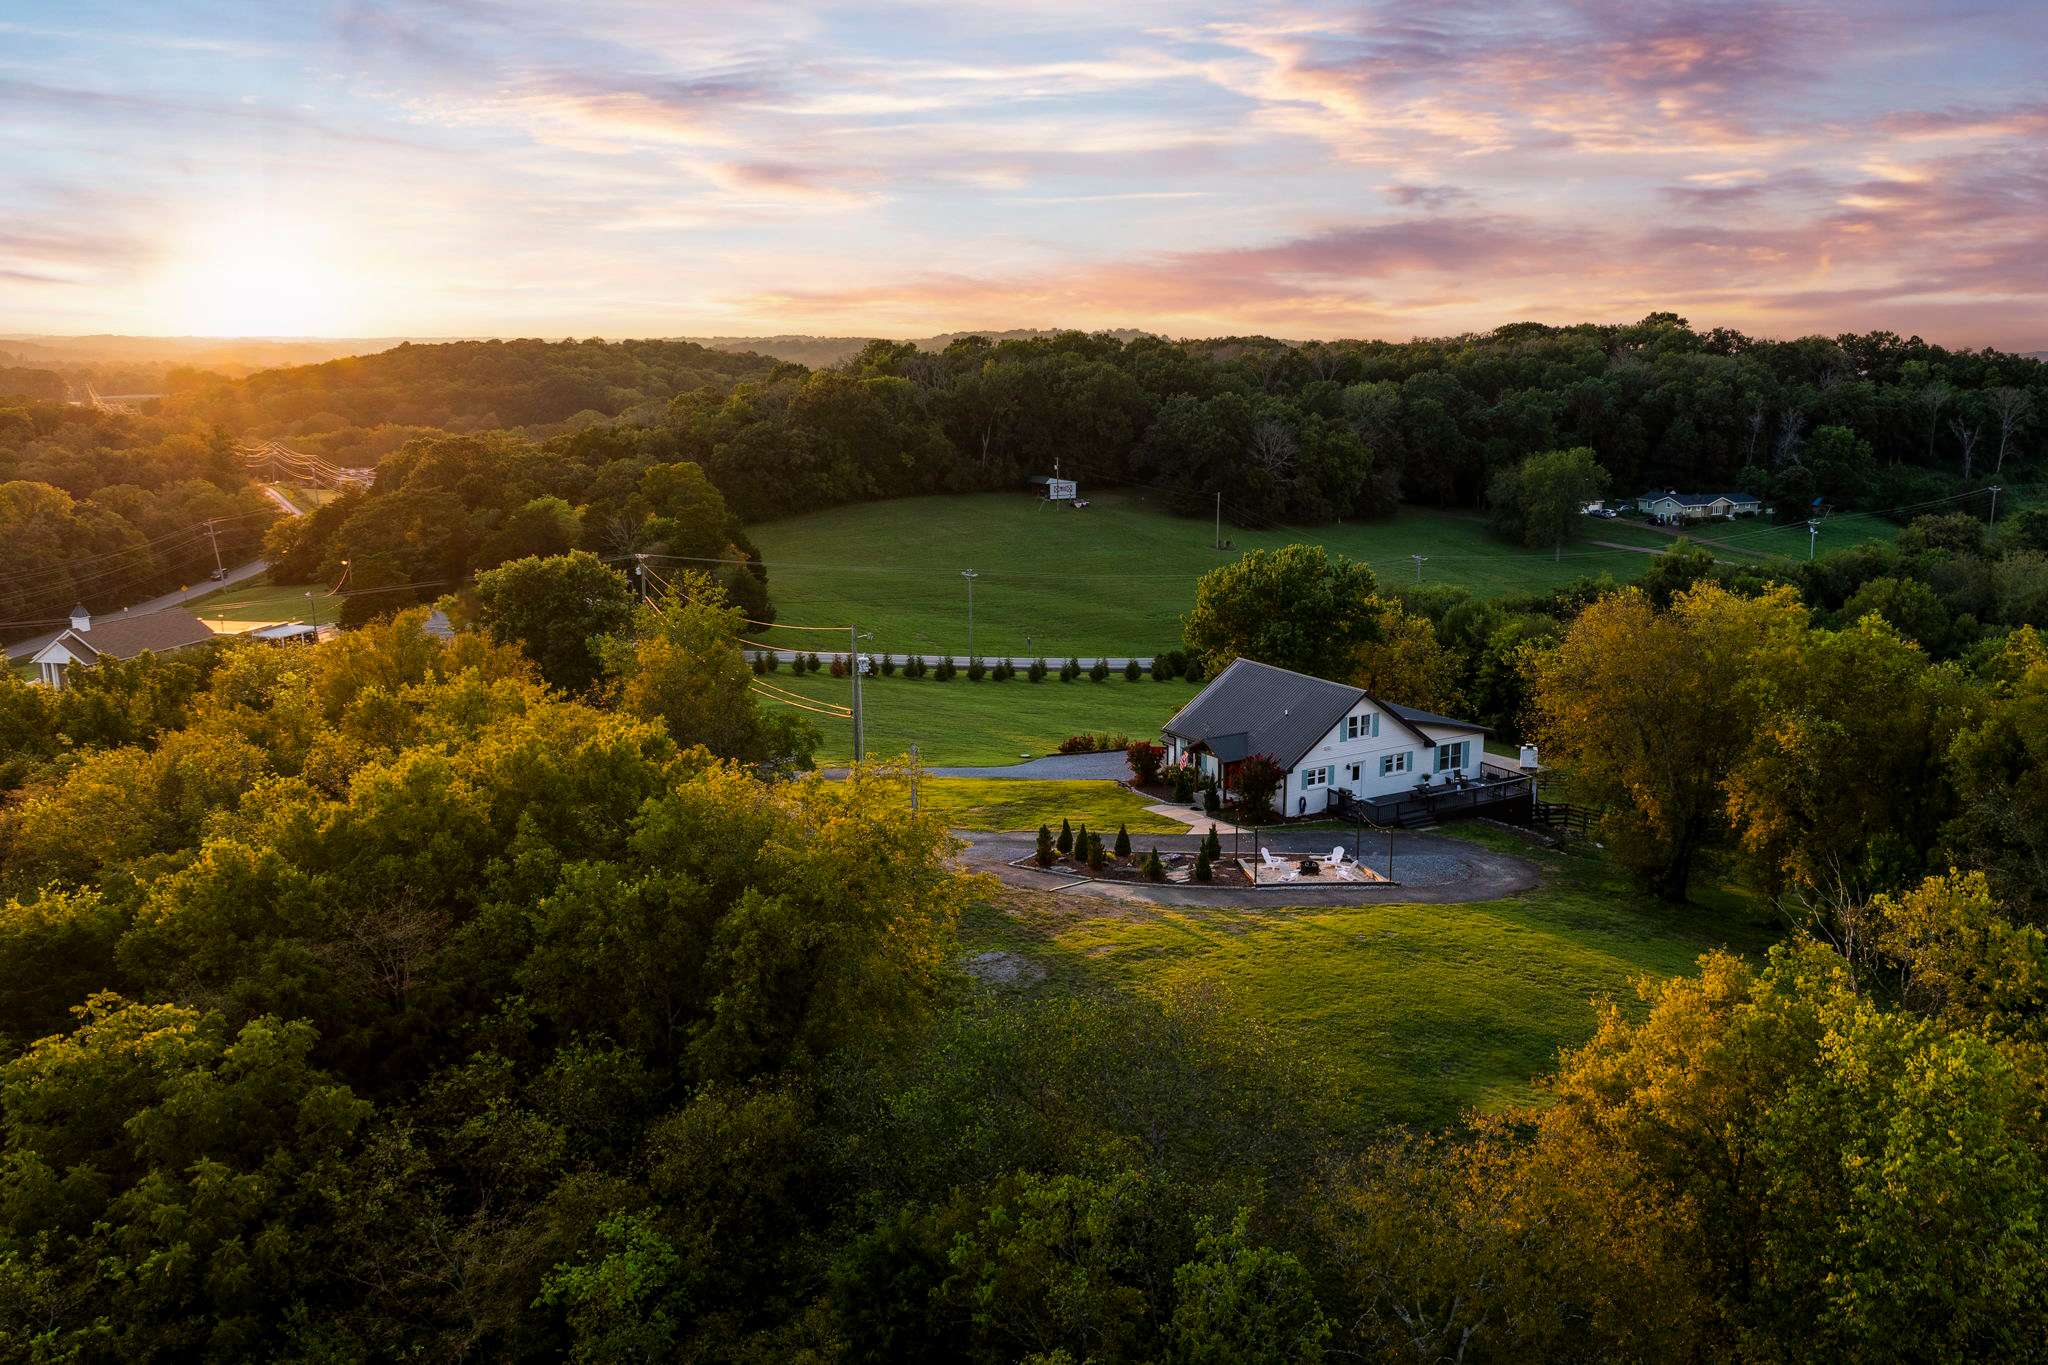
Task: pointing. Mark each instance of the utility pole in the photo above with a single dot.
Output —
(970, 575)
(1219, 520)
(1812, 537)
(223, 572)
(913, 780)
(1418, 565)
(640, 574)
(860, 747)
(1996, 489)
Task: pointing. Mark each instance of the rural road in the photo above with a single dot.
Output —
(1427, 867)
(961, 660)
(241, 573)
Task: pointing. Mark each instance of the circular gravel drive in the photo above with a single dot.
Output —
(1426, 867)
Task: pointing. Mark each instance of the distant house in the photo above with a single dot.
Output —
(1676, 506)
(1327, 737)
(87, 641)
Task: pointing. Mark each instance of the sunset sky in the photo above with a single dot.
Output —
(548, 168)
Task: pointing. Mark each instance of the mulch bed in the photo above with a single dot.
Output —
(1132, 869)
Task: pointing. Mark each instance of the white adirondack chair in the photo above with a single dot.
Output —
(1336, 858)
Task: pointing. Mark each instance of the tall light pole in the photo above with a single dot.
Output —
(1418, 565)
(1812, 537)
(1996, 489)
(860, 748)
(970, 575)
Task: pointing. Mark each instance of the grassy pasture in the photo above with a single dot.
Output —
(1424, 1011)
(962, 723)
(1112, 579)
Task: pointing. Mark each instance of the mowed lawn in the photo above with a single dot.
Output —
(1424, 1011)
(962, 723)
(994, 803)
(1112, 579)
(260, 600)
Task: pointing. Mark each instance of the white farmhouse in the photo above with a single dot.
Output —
(1329, 738)
(87, 641)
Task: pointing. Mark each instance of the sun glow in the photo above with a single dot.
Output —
(258, 275)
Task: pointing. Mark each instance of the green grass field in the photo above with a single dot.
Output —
(961, 723)
(1423, 1010)
(991, 803)
(260, 600)
(1112, 579)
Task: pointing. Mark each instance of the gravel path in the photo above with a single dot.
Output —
(1427, 868)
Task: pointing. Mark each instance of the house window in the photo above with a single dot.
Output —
(1314, 777)
(1393, 763)
(1450, 756)
(1362, 727)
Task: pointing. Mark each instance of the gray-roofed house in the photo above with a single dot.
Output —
(1326, 737)
(87, 641)
(1676, 506)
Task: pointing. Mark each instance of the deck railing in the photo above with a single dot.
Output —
(1436, 801)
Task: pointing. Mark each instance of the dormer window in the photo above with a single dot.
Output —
(1366, 726)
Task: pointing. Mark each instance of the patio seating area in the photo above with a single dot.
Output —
(1271, 869)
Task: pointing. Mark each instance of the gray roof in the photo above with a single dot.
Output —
(124, 637)
(1698, 499)
(1416, 716)
(1255, 708)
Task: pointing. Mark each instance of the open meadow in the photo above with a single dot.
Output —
(1423, 1011)
(1113, 578)
(962, 723)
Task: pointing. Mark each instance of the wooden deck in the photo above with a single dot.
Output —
(1500, 792)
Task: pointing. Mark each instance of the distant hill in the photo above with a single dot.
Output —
(465, 385)
(231, 356)
(820, 352)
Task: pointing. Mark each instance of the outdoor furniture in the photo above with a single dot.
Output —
(1336, 858)
(1266, 857)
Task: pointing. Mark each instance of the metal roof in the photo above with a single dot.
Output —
(124, 637)
(1416, 716)
(1255, 708)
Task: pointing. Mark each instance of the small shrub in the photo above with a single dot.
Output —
(1081, 843)
(1070, 670)
(1099, 673)
(1212, 846)
(1065, 843)
(1044, 851)
(1212, 799)
(946, 671)
(1098, 858)
(1094, 744)
(1155, 871)
(976, 670)
(760, 663)
(1037, 671)
(811, 663)
(1003, 671)
(839, 665)
(1194, 672)
(1144, 758)
(1203, 870)
(770, 661)
(888, 665)
(1131, 670)
(1123, 842)
(1183, 784)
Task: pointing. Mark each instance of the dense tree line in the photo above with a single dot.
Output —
(105, 510)
(405, 1005)
(1347, 429)
(447, 507)
(462, 386)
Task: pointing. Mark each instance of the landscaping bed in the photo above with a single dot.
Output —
(1179, 867)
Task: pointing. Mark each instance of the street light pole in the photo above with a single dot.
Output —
(970, 575)
(1418, 565)
(1812, 537)
(1996, 489)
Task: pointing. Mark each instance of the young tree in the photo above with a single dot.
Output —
(1212, 844)
(1037, 671)
(1098, 857)
(1045, 847)
(556, 609)
(1123, 842)
(1204, 871)
(1258, 782)
(1132, 670)
(1144, 758)
(1155, 870)
(1099, 672)
(1293, 608)
(1066, 839)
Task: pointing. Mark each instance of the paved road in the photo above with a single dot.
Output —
(241, 573)
(291, 509)
(1427, 867)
